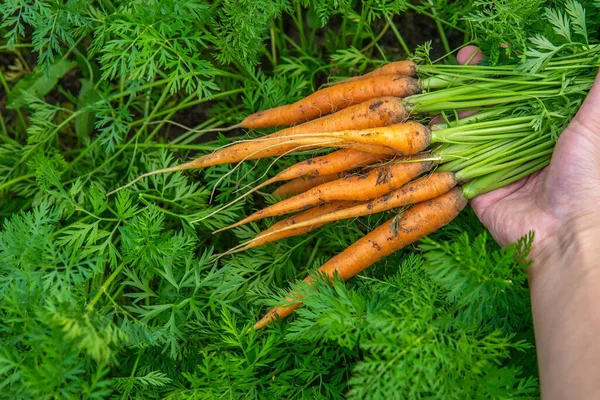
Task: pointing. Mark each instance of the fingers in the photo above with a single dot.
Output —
(510, 212)
(470, 54)
(588, 115)
(463, 56)
(438, 119)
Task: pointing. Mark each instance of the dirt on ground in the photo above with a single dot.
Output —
(416, 29)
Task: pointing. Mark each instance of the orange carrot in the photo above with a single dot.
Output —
(417, 222)
(397, 138)
(425, 188)
(310, 173)
(338, 161)
(394, 68)
(303, 175)
(402, 139)
(310, 214)
(377, 182)
(331, 99)
(304, 183)
(374, 113)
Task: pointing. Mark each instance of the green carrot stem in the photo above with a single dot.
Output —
(503, 92)
(478, 92)
(450, 92)
(478, 139)
(537, 151)
(503, 177)
(475, 118)
(18, 179)
(511, 173)
(434, 17)
(469, 104)
(483, 126)
(439, 82)
(397, 34)
(492, 153)
(518, 80)
(447, 151)
(453, 157)
(481, 153)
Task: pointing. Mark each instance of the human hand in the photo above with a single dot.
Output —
(560, 202)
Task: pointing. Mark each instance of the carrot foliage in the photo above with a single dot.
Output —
(121, 297)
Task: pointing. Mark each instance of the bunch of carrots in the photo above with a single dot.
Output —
(387, 155)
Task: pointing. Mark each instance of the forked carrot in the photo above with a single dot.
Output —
(377, 182)
(374, 113)
(406, 67)
(405, 138)
(417, 222)
(331, 99)
(425, 188)
(304, 183)
(312, 172)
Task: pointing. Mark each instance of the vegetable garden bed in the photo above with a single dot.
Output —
(111, 292)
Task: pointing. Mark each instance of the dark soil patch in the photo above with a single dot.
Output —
(414, 28)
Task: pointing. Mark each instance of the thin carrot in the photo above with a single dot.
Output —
(378, 112)
(377, 182)
(405, 138)
(307, 215)
(402, 139)
(417, 222)
(331, 99)
(312, 172)
(373, 113)
(304, 183)
(406, 67)
(302, 174)
(425, 188)
(337, 161)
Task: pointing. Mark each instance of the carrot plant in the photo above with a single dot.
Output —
(122, 296)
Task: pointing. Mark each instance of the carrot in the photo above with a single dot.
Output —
(425, 188)
(304, 183)
(307, 215)
(373, 113)
(377, 182)
(402, 139)
(310, 173)
(394, 68)
(378, 112)
(338, 161)
(417, 222)
(331, 99)
(303, 175)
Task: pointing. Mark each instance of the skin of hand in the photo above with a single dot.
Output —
(561, 205)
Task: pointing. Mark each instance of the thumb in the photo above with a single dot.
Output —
(587, 119)
(469, 54)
